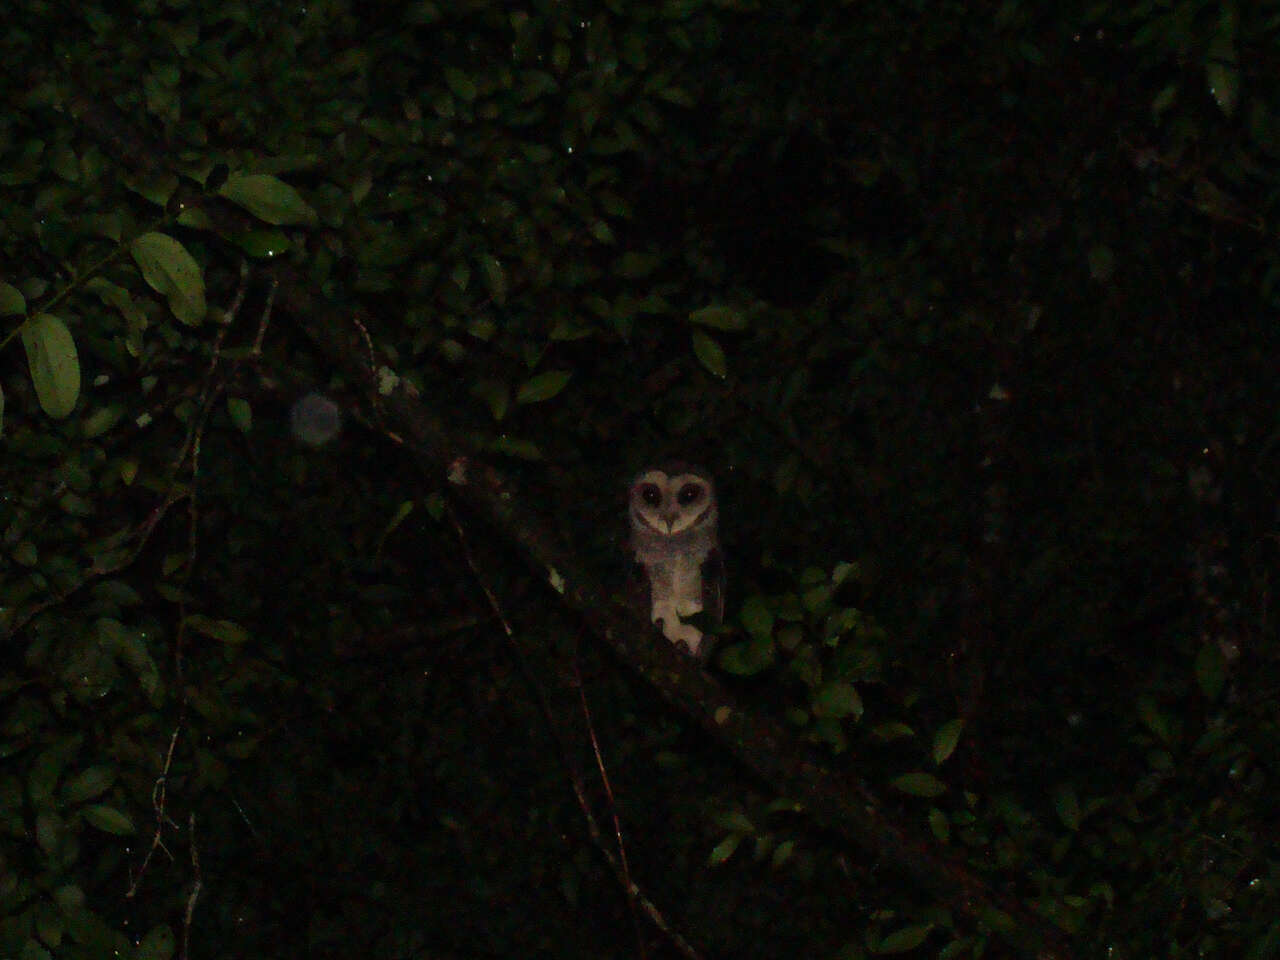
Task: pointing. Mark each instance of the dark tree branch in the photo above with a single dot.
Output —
(838, 802)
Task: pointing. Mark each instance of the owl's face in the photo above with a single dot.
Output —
(671, 503)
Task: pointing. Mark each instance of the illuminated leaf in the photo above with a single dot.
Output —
(268, 198)
(102, 420)
(53, 362)
(544, 386)
(108, 819)
(836, 700)
(1067, 803)
(463, 87)
(719, 318)
(241, 413)
(158, 944)
(88, 784)
(724, 849)
(170, 270)
(495, 278)
(919, 785)
(225, 630)
(908, 938)
(945, 740)
(710, 354)
(757, 618)
(12, 302)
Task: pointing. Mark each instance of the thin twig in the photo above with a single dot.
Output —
(613, 805)
(196, 886)
(158, 805)
(617, 862)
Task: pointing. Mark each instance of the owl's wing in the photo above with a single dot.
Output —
(639, 595)
(713, 590)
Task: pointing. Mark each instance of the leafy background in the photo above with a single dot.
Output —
(972, 313)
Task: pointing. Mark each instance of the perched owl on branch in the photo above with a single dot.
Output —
(674, 517)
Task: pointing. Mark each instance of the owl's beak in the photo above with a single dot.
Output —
(669, 518)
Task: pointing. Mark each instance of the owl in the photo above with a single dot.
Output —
(673, 516)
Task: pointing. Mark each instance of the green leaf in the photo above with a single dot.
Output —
(939, 825)
(1223, 78)
(421, 13)
(719, 318)
(496, 394)
(790, 637)
(130, 647)
(945, 740)
(69, 898)
(158, 944)
(155, 187)
(268, 198)
(566, 329)
(919, 784)
(837, 699)
(170, 270)
(676, 95)
(908, 938)
(724, 849)
(108, 819)
(748, 658)
(1102, 263)
(1067, 803)
(119, 298)
(225, 630)
(241, 413)
(560, 56)
(894, 730)
(263, 244)
(757, 618)
(463, 87)
(1153, 719)
(460, 274)
(88, 784)
(544, 386)
(735, 821)
(495, 278)
(47, 769)
(1211, 670)
(49, 927)
(102, 420)
(401, 514)
(50, 829)
(632, 264)
(53, 362)
(817, 600)
(1164, 99)
(12, 302)
(603, 232)
(782, 854)
(515, 447)
(710, 354)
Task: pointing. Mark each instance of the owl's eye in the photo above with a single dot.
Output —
(688, 494)
(650, 495)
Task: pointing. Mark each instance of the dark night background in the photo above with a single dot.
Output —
(971, 310)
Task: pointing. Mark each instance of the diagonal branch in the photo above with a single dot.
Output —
(839, 802)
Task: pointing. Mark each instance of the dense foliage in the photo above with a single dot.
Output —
(971, 312)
